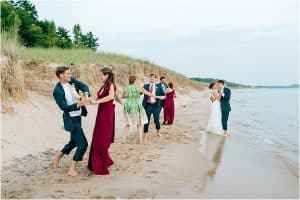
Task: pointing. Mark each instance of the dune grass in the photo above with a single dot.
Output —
(10, 45)
(67, 56)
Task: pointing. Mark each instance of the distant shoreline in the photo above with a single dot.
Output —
(234, 85)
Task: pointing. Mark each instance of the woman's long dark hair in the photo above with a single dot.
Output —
(110, 79)
(211, 85)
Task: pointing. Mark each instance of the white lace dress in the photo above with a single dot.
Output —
(215, 120)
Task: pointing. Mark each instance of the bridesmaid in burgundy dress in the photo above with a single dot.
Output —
(104, 131)
(169, 107)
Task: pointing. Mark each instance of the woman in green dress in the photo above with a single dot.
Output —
(134, 112)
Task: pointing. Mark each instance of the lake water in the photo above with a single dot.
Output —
(269, 117)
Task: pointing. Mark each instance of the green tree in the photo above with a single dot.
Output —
(35, 36)
(28, 16)
(89, 41)
(49, 33)
(63, 38)
(9, 17)
(77, 36)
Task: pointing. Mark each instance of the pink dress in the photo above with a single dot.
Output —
(103, 135)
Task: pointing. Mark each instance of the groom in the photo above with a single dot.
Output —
(152, 105)
(67, 98)
(225, 104)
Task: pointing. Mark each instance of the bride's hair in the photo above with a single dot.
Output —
(211, 85)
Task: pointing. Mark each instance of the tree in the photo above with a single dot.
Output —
(21, 18)
(9, 17)
(49, 32)
(35, 36)
(63, 39)
(89, 41)
(77, 36)
(28, 16)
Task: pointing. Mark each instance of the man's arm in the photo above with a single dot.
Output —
(82, 86)
(61, 102)
(145, 87)
(227, 94)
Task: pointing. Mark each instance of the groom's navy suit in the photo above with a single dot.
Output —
(225, 106)
(72, 124)
(153, 108)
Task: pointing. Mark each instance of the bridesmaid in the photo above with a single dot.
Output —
(134, 112)
(169, 108)
(104, 130)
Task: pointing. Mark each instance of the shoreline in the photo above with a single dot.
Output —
(225, 168)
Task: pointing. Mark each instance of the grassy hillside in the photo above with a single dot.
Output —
(32, 69)
(66, 56)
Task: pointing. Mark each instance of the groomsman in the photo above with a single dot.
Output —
(164, 86)
(68, 100)
(225, 104)
(152, 105)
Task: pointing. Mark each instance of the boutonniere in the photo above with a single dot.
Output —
(156, 87)
(74, 92)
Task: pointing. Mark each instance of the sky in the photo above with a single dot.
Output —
(252, 42)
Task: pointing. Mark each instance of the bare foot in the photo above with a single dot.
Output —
(158, 134)
(72, 172)
(140, 141)
(145, 136)
(56, 159)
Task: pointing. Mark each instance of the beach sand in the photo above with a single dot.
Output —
(183, 163)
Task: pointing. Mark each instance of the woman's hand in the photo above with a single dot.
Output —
(94, 101)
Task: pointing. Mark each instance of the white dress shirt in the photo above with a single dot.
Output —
(222, 92)
(71, 99)
(163, 87)
(153, 100)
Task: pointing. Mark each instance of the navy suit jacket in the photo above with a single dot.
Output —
(60, 99)
(166, 86)
(225, 101)
(158, 92)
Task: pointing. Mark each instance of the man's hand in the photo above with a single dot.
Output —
(84, 101)
(87, 100)
(80, 103)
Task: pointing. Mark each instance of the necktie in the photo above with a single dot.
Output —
(150, 90)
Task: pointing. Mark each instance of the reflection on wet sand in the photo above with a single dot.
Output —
(211, 150)
(211, 147)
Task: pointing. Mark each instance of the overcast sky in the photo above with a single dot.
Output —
(247, 41)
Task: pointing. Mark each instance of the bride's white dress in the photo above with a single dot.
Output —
(215, 120)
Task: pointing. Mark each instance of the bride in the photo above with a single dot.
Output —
(214, 123)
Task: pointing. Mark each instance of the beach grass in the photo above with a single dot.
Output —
(10, 45)
(67, 56)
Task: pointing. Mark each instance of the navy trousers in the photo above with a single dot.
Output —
(225, 115)
(77, 139)
(155, 110)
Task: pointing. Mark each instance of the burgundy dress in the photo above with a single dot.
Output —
(103, 135)
(169, 108)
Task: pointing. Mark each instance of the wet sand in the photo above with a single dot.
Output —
(181, 164)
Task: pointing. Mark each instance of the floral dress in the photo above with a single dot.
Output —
(134, 112)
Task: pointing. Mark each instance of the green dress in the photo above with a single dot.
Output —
(134, 112)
